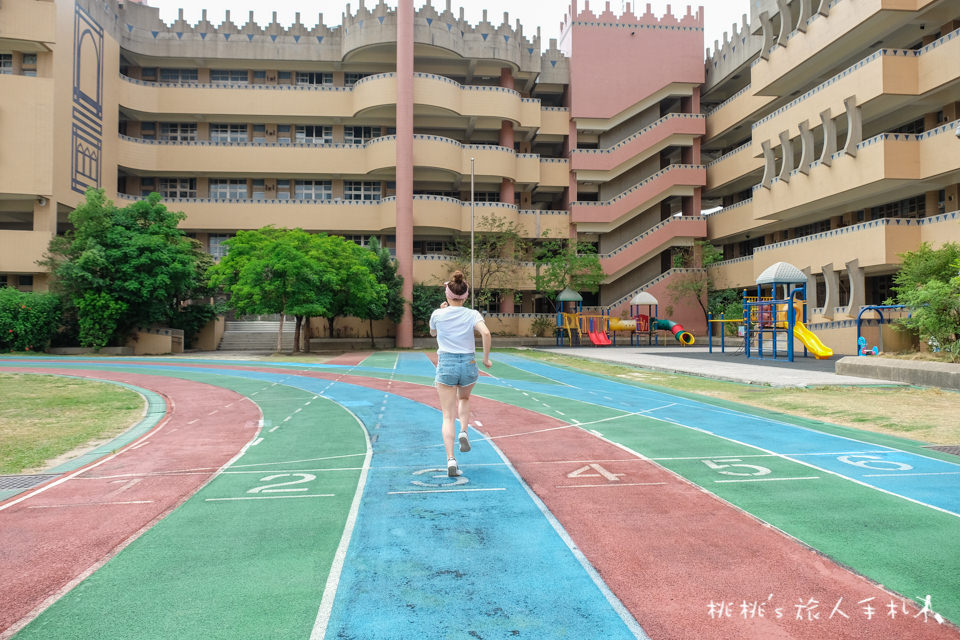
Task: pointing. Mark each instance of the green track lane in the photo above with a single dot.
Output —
(219, 567)
(891, 540)
(381, 360)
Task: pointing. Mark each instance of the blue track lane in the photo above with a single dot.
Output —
(929, 481)
(432, 556)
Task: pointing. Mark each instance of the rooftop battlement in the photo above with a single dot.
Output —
(629, 19)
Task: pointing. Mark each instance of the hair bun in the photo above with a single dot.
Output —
(457, 276)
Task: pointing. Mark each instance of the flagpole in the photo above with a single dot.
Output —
(472, 302)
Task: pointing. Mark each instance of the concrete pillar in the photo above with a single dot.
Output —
(832, 281)
(854, 126)
(806, 148)
(404, 180)
(824, 8)
(507, 193)
(805, 12)
(829, 137)
(45, 214)
(786, 166)
(769, 164)
(786, 22)
(857, 286)
(506, 302)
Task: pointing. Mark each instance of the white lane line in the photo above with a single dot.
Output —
(316, 495)
(768, 479)
(396, 493)
(274, 429)
(339, 558)
(595, 432)
(263, 471)
(264, 464)
(299, 410)
(87, 504)
(142, 444)
(256, 442)
(611, 598)
(213, 412)
(478, 423)
(767, 455)
(898, 475)
(194, 420)
(611, 484)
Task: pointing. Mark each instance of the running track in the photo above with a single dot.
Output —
(591, 508)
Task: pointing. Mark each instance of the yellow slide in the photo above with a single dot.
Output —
(811, 341)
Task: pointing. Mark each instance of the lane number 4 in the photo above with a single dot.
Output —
(723, 466)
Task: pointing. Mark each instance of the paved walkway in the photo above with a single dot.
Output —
(802, 372)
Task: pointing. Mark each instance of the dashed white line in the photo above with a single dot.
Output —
(316, 495)
(87, 504)
(395, 493)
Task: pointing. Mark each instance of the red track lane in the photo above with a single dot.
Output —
(668, 548)
(52, 538)
(351, 359)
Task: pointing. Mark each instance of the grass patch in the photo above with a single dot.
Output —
(925, 414)
(43, 417)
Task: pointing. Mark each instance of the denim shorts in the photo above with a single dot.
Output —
(457, 369)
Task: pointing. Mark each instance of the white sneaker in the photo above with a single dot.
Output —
(452, 469)
(464, 442)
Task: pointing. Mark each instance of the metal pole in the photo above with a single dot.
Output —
(472, 302)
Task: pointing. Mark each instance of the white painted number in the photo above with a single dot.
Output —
(876, 463)
(600, 472)
(272, 488)
(719, 465)
(441, 474)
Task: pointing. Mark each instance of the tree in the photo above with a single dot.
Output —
(499, 249)
(695, 284)
(426, 299)
(349, 281)
(565, 262)
(272, 271)
(28, 320)
(385, 272)
(119, 268)
(929, 283)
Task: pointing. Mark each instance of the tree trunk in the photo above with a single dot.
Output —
(280, 335)
(296, 334)
(372, 343)
(330, 326)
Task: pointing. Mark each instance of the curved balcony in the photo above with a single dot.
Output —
(733, 112)
(475, 101)
(731, 220)
(883, 167)
(675, 180)
(885, 81)
(733, 274)
(678, 231)
(675, 129)
(734, 166)
(848, 28)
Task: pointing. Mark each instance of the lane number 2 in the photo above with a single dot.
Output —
(722, 466)
(275, 488)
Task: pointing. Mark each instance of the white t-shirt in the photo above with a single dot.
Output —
(454, 327)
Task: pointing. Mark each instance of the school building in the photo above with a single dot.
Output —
(826, 131)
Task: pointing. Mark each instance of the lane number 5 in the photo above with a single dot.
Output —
(727, 463)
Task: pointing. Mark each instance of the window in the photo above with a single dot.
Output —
(3, 280)
(314, 134)
(178, 131)
(360, 240)
(178, 75)
(356, 190)
(284, 77)
(148, 130)
(258, 190)
(283, 189)
(25, 281)
(6, 63)
(314, 190)
(350, 79)
(29, 65)
(259, 133)
(283, 134)
(434, 246)
(228, 189)
(147, 186)
(229, 76)
(360, 135)
(177, 187)
(909, 208)
(217, 248)
(149, 74)
(314, 78)
(485, 196)
(228, 133)
(259, 77)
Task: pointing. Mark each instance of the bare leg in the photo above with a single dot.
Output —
(448, 404)
(463, 406)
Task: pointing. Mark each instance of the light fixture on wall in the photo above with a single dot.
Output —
(41, 201)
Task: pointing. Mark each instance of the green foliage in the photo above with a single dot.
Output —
(729, 304)
(133, 264)
(929, 283)
(99, 316)
(385, 271)
(690, 285)
(28, 320)
(192, 318)
(564, 262)
(499, 248)
(542, 325)
(426, 300)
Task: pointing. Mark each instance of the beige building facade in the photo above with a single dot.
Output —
(832, 143)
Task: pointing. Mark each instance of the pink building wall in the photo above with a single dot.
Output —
(618, 61)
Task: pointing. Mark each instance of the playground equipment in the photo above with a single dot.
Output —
(862, 348)
(596, 326)
(769, 316)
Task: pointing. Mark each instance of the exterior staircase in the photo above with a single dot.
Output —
(256, 335)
